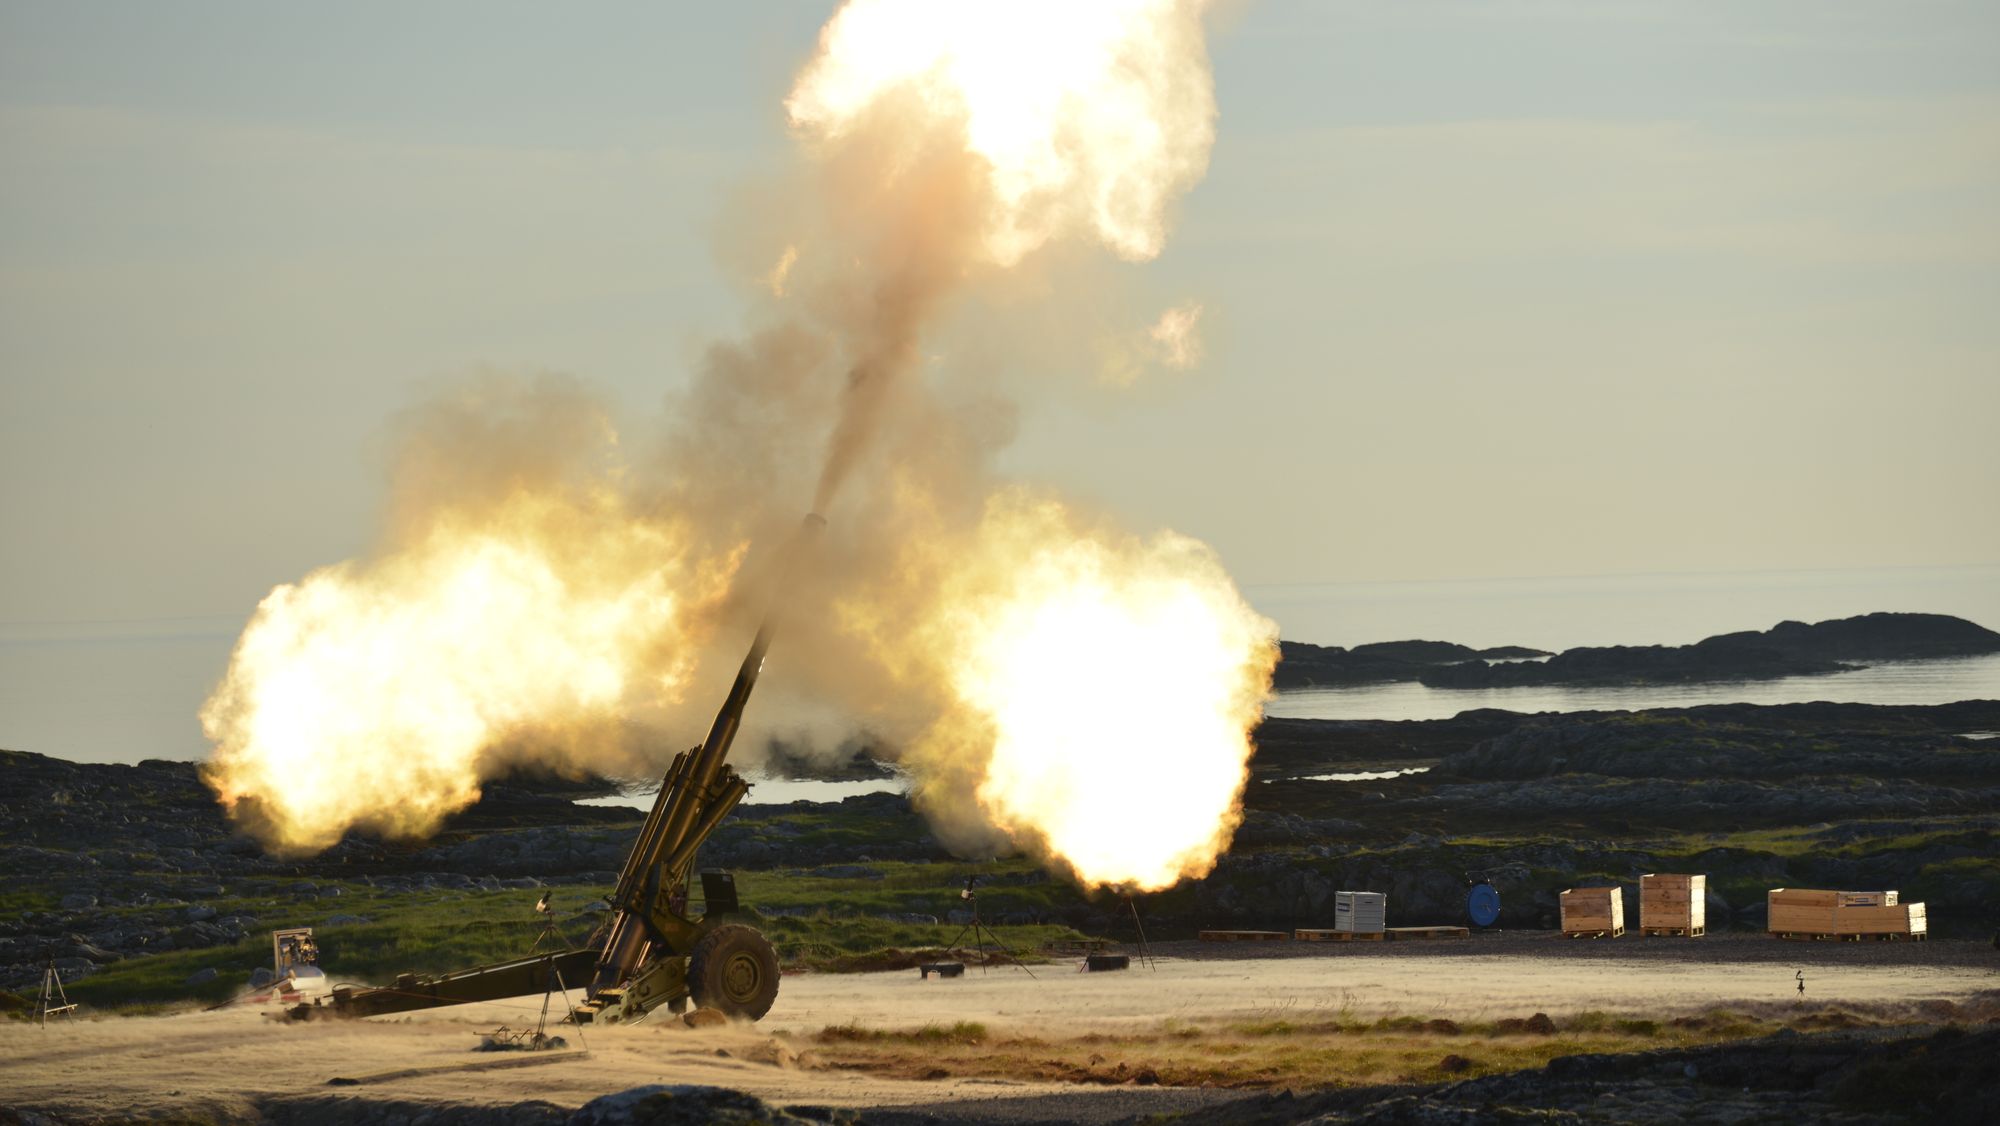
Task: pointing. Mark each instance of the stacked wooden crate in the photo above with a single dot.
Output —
(1800, 911)
(1673, 904)
(1907, 919)
(1360, 912)
(1593, 912)
(1807, 912)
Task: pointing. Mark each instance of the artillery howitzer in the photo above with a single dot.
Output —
(653, 954)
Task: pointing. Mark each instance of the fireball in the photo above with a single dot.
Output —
(1104, 687)
(377, 694)
(1089, 117)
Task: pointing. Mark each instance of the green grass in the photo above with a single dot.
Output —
(1006, 887)
(423, 932)
(437, 931)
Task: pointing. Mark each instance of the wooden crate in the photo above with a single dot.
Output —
(1673, 904)
(1892, 918)
(1800, 911)
(1872, 920)
(1843, 914)
(1593, 911)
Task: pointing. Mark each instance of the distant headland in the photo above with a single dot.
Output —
(1786, 649)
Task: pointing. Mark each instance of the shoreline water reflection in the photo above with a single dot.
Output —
(1943, 680)
(773, 791)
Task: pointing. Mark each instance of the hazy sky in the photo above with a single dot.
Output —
(1500, 289)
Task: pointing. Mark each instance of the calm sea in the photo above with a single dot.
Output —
(124, 691)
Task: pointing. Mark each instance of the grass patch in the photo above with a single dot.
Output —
(1267, 1053)
(960, 1032)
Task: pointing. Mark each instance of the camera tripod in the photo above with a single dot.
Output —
(980, 932)
(1145, 948)
(549, 933)
(53, 1002)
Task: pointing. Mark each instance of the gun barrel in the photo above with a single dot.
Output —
(691, 802)
(707, 763)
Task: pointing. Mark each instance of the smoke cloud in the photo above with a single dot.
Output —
(547, 589)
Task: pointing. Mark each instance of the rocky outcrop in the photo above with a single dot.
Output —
(1873, 637)
(1941, 1076)
(1787, 649)
(685, 1105)
(1697, 747)
(1304, 665)
(1293, 747)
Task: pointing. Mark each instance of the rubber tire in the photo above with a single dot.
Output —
(734, 969)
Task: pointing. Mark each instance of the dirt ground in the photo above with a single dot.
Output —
(221, 1064)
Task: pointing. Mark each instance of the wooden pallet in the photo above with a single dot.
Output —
(1612, 932)
(1672, 932)
(1875, 936)
(1402, 933)
(1312, 934)
(1243, 936)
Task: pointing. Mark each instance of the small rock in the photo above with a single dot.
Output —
(200, 912)
(346, 921)
(203, 976)
(1455, 1063)
(78, 902)
(94, 953)
(705, 1018)
(662, 1105)
(1541, 1024)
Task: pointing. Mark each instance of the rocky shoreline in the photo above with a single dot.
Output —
(1305, 665)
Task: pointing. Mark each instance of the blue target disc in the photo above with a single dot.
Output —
(1482, 903)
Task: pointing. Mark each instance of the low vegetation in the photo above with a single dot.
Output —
(816, 922)
(1343, 1051)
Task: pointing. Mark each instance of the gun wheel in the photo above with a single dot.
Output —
(734, 969)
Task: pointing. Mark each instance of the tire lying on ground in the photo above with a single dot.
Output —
(734, 969)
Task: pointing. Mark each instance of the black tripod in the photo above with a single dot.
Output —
(1145, 950)
(548, 933)
(980, 933)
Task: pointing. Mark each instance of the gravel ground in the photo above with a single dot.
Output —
(238, 1066)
